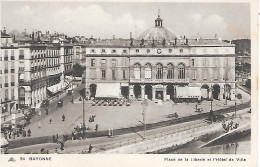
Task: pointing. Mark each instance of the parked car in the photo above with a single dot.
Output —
(60, 103)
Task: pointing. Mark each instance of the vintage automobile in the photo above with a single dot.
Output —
(60, 103)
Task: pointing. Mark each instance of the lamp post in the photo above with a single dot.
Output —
(144, 115)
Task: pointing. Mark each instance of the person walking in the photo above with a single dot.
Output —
(57, 137)
(63, 117)
(96, 127)
(29, 132)
(50, 120)
(90, 148)
(53, 139)
(46, 111)
(61, 145)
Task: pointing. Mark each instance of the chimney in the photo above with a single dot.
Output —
(14, 39)
(175, 41)
(4, 31)
(114, 37)
(186, 41)
(130, 35)
(216, 36)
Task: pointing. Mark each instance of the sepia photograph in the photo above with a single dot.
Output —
(125, 78)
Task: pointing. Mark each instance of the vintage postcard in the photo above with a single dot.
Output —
(129, 83)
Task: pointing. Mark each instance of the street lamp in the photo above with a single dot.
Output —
(144, 115)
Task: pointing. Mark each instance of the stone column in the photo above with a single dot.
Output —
(153, 94)
(142, 91)
(131, 91)
(164, 92)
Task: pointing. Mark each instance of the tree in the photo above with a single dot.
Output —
(77, 70)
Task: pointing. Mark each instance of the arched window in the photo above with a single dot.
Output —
(181, 71)
(170, 71)
(148, 71)
(137, 71)
(159, 72)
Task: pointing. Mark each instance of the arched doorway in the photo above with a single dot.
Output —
(170, 91)
(205, 91)
(227, 92)
(216, 91)
(93, 89)
(149, 91)
(137, 90)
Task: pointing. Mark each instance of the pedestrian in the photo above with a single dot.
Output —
(13, 135)
(24, 133)
(90, 148)
(29, 132)
(9, 133)
(96, 127)
(53, 139)
(63, 117)
(57, 137)
(61, 145)
(56, 151)
(42, 150)
(50, 120)
(47, 111)
(40, 112)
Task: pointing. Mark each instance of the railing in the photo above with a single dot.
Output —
(125, 142)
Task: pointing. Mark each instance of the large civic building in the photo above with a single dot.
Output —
(161, 65)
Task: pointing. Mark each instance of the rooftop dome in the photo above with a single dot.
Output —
(158, 32)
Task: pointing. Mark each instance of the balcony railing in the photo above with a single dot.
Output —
(6, 84)
(21, 57)
(6, 71)
(12, 84)
(6, 58)
(12, 57)
(12, 70)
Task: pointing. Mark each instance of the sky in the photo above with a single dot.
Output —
(105, 19)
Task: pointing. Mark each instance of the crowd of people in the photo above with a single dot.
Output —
(14, 133)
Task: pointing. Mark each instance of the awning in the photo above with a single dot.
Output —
(188, 92)
(110, 90)
(55, 88)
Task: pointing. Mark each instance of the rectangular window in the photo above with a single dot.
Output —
(6, 65)
(93, 62)
(148, 73)
(103, 62)
(21, 54)
(6, 94)
(12, 52)
(113, 62)
(194, 75)
(192, 62)
(12, 93)
(124, 74)
(205, 74)
(113, 74)
(103, 50)
(103, 72)
(216, 74)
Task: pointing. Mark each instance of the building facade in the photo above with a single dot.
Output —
(8, 74)
(32, 79)
(161, 65)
